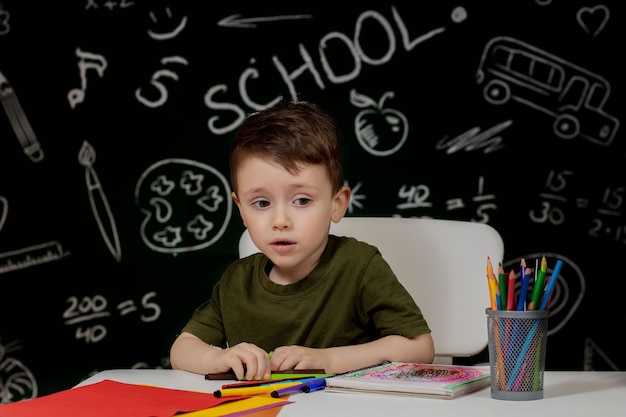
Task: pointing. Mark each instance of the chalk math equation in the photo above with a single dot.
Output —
(88, 313)
(606, 206)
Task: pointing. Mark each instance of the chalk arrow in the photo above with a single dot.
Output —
(236, 21)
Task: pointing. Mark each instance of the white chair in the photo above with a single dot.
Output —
(442, 263)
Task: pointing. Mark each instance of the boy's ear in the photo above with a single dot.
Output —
(235, 198)
(238, 203)
(340, 203)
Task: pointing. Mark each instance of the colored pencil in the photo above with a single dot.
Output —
(492, 285)
(525, 277)
(511, 295)
(538, 286)
(503, 287)
(550, 286)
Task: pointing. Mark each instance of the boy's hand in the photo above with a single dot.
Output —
(247, 361)
(297, 357)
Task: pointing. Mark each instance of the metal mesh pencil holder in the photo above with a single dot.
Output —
(517, 353)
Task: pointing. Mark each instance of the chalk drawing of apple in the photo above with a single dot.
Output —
(380, 130)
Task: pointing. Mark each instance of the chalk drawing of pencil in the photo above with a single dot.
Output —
(19, 121)
(98, 200)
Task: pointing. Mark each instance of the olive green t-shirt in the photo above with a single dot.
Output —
(351, 297)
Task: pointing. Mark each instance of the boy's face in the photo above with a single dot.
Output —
(288, 215)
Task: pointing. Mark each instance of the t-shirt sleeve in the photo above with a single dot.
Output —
(387, 302)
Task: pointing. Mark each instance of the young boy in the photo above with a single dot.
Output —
(312, 299)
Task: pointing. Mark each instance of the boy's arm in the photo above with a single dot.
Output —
(419, 349)
(189, 353)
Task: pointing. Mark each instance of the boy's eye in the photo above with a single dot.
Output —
(261, 203)
(303, 201)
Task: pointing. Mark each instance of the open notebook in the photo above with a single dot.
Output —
(445, 381)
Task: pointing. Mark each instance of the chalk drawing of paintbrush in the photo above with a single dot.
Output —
(98, 200)
(19, 121)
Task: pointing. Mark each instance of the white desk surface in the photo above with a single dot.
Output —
(566, 393)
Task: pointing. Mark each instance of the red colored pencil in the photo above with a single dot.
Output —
(510, 302)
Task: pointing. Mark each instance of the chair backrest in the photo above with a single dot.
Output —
(442, 263)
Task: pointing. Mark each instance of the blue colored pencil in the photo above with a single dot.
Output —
(521, 301)
(550, 287)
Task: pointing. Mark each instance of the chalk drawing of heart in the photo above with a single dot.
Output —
(593, 19)
(4, 208)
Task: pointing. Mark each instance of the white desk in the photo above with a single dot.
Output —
(566, 393)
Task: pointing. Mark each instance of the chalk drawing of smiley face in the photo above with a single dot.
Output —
(187, 205)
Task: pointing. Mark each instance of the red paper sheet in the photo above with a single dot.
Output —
(110, 398)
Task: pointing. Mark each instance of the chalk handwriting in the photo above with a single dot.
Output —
(485, 202)
(155, 80)
(109, 4)
(82, 312)
(608, 221)
(417, 197)
(557, 197)
(222, 124)
(551, 209)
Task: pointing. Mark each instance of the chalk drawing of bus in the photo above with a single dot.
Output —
(510, 69)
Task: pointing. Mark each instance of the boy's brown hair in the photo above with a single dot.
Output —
(292, 134)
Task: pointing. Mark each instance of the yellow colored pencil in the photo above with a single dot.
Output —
(493, 285)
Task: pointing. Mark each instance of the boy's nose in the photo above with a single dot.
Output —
(281, 219)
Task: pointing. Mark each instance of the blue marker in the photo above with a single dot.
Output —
(314, 385)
